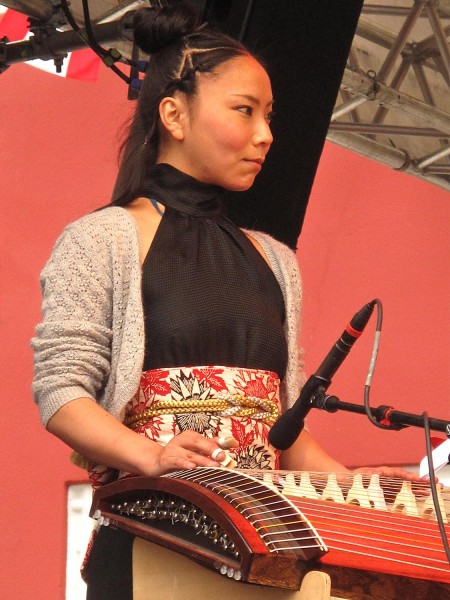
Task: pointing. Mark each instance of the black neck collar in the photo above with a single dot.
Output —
(175, 189)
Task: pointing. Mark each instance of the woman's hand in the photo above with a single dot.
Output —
(186, 450)
(391, 472)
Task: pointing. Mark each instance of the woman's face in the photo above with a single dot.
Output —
(226, 126)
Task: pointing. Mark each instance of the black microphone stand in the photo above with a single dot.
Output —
(385, 415)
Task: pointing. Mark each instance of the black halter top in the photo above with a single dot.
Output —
(209, 297)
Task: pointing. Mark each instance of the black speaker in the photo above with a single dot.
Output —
(304, 44)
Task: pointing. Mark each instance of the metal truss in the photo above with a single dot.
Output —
(394, 101)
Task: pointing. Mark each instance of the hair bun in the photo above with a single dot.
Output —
(158, 27)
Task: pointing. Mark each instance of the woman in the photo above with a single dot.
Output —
(160, 316)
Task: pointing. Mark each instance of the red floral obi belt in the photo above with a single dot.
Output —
(214, 401)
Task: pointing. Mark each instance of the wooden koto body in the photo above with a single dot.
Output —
(271, 527)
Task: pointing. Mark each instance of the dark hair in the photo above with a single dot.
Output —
(179, 47)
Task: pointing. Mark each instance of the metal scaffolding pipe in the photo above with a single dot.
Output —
(373, 129)
(432, 158)
(375, 33)
(401, 39)
(441, 40)
(425, 89)
(361, 84)
(439, 67)
(444, 170)
(41, 10)
(380, 36)
(423, 83)
(392, 157)
(396, 159)
(429, 44)
(347, 107)
(59, 43)
(396, 83)
(346, 96)
(395, 11)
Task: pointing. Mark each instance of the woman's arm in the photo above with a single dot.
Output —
(306, 454)
(95, 434)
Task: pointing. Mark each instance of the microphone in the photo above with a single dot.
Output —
(288, 427)
(342, 347)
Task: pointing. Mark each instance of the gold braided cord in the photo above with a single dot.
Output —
(229, 405)
(232, 405)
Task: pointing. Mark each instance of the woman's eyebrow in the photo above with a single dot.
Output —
(251, 98)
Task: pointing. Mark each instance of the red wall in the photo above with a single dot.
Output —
(369, 232)
(58, 155)
(373, 233)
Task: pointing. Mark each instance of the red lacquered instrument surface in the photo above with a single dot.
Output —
(271, 527)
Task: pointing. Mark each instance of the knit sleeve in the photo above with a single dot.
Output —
(73, 342)
(285, 267)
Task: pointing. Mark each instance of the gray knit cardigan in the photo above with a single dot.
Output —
(90, 342)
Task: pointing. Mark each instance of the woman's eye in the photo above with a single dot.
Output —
(247, 110)
(270, 116)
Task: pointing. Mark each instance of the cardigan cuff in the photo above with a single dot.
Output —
(49, 403)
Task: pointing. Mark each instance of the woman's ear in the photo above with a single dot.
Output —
(172, 112)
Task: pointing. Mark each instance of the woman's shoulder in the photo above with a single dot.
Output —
(103, 228)
(104, 221)
(273, 247)
(99, 237)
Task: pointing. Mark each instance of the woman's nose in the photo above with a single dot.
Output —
(263, 134)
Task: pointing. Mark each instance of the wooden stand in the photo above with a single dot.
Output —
(167, 574)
